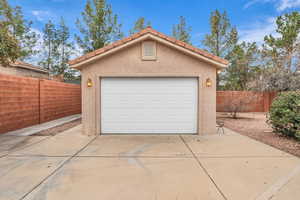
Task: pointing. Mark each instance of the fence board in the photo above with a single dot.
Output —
(260, 103)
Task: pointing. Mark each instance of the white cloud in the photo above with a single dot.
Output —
(257, 31)
(252, 2)
(286, 4)
(280, 5)
(41, 15)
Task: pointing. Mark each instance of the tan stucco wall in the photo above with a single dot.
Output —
(22, 72)
(128, 62)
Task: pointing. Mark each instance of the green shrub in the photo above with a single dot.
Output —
(284, 115)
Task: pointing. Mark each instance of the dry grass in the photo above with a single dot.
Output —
(254, 126)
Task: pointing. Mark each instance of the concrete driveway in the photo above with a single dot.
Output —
(70, 166)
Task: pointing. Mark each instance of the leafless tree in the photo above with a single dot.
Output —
(274, 79)
(239, 103)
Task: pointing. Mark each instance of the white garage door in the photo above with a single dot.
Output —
(149, 105)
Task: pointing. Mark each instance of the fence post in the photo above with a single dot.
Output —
(266, 96)
(39, 96)
(41, 100)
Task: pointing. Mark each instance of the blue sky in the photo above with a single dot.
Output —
(253, 18)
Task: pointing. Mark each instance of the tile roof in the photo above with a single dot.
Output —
(22, 64)
(144, 32)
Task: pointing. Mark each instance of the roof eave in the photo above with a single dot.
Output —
(189, 52)
(84, 62)
(31, 68)
(150, 36)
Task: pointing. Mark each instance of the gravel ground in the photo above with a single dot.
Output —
(58, 129)
(254, 126)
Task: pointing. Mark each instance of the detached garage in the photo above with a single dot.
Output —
(149, 83)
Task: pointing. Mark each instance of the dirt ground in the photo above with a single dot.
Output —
(58, 129)
(254, 126)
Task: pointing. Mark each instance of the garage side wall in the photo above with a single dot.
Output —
(128, 63)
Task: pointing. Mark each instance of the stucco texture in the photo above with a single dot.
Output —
(23, 72)
(170, 62)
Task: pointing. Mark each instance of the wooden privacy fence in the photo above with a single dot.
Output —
(29, 101)
(255, 101)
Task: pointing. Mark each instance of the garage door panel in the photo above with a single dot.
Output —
(149, 105)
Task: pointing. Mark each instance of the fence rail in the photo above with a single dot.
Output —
(28, 101)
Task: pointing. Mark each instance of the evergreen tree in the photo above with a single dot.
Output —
(64, 49)
(99, 26)
(57, 50)
(9, 46)
(222, 38)
(24, 34)
(17, 38)
(48, 46)
(243, 67)
(139, 25)
(284, 51)
(281, 56)
(181, 31)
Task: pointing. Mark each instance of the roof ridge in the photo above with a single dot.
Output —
(22, 64)
(147, 30)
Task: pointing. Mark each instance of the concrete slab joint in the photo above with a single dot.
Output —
(229, 166)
